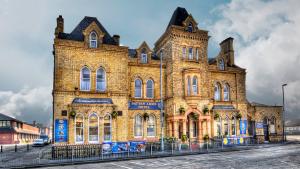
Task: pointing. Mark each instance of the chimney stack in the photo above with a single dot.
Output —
(59, 25)
(227, 50)
(117, 39)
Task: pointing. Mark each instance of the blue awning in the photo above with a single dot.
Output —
(92, 101)
(223, 107)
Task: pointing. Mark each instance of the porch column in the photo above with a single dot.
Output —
(200, 136)
(208, 127)
(170, 128)
(184, 127)
(175, 129)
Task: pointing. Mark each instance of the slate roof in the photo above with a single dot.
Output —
(179, 15)
(4, 117)
(77, 35)
(132, 53)
(262, 105)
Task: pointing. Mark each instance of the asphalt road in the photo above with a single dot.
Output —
(280, 156)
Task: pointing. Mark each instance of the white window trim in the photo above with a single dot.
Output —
(97, 128)
(141, 125)
(154, 126)
(110, 122)
(81, 78)
(152, 89)
(195, 85)
(184, 52)
(79, 142)
(197, 54)
(90, 40)
(228, 92)
(218, 93)
(142, 58)
(141, 88)
(188, 86)
(190, 54)
(105, 80)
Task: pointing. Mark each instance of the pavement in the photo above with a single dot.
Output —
(277, 157)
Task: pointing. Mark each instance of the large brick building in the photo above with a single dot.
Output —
(105, 92)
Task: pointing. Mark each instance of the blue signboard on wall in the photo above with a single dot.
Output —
(259, 125)
(144, 105)
(61, 130)
(243, 126)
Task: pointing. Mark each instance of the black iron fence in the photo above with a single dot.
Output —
(70, 154)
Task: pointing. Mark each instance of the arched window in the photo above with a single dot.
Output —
(197, 54)
(195, 85)
(137, 88)
(221, 64)
(226, 126)
(217, 92)
(79, 138)
(107, 128)
(184, 52)
(233, 126)
(85, 79)
(93, 128)
(101, 80)
(190, 53)
(93, 40)
(273, 125)
(138, 126)
(150, 89)
(144, 56)
(190, 27)
(188, 86)
(226, 92)
(151, 126)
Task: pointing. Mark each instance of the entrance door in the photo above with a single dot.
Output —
(266, 129)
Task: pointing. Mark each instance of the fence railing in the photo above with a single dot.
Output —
(62, 154)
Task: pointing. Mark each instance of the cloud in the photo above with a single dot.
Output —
(266, 44)
(28, 104)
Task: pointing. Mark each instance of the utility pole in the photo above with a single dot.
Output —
(161, 105)
(283, 114)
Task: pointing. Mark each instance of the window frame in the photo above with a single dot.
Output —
(226, 93)
(152, 89)
(190, 53)
(135, 125)
(93, 40)
(92, 114)
(184, 52)
(110, 127)
(153, 125)
(221, 63)
(190, 27)
(218, 86)
(82, 79)
(79, 142)
(188, 86)
(105, 79)
(195, 86)
(141, 88)
(197, 54)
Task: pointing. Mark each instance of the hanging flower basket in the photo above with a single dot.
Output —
(184, 138)
(195, 116)
(238, 115)
(114, 114)
(181, 110)
(146, 116)
(206, 137)
(73, 113)
(205, 110)
(216, 116)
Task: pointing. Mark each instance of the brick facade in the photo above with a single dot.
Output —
(122, 66)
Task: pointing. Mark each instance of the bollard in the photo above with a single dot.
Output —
(72, 154)
(27, 147)
(128, 149)
(151, 149)
(1, 148)
(16, 148)
(102, 152)
(172, 148)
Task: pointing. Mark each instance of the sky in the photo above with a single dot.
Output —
(266, 42)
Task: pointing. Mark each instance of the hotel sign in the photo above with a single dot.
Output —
(61, 130)
(144, 105)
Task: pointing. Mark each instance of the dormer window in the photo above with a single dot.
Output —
(93, 40)
(144, 56)
(190, 27)
(221, 64)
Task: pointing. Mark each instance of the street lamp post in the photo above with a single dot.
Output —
(161, 106)
(283, 114)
